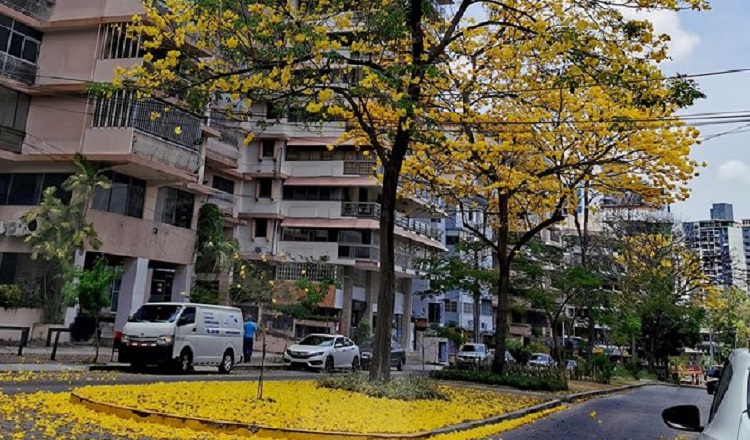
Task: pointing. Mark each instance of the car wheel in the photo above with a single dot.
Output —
(400, 366)
(355, 364)
(185, 362)
(227, 362)
(328, 368)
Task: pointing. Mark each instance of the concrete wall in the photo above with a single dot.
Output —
(68, 57)
(94, 9)
(19, 317)
(122, 235)
(55, 125)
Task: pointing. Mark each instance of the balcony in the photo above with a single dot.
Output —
(38, 9)
(373, 210)
(17, 69)
(359, 252)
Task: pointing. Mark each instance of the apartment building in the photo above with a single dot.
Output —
(162, 168)
(720, 244)
(307, 201)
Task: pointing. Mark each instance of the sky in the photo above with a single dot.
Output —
(709, 41)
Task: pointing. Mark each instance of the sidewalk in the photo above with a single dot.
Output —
(79, 358)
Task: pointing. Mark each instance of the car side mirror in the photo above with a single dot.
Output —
(683, 418)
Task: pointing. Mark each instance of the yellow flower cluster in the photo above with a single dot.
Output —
(58, 376)
(302, 405)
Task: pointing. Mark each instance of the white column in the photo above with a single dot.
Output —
(132, 290)
(183, 282)
(373, 284)
(346, 310)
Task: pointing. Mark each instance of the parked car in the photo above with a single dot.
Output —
(541, 360)
(181, 335)
(398, 355)
(473, 354)
(509, 359)
(571, 365)
(712, 377)
(323, 352)
(727, 418)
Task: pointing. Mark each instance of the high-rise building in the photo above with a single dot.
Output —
(720, 244)
(162, 169)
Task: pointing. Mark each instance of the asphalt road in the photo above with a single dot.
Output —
(635, 415)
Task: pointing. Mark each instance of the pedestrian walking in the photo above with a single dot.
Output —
(250, 328)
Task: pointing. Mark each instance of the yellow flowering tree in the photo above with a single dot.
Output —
(383, 67)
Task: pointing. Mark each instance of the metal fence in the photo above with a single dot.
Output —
(39, 9)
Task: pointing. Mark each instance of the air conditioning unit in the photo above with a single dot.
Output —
(2, 228)
(18, 228)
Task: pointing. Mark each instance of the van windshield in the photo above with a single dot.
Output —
(156, 313)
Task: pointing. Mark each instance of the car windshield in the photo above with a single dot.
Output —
(472, 348)
(538, 357)
(156, 313)
(320, 340)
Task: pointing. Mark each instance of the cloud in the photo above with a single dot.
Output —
(683, 42)
(734, 170)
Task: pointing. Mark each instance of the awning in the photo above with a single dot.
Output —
(365, 181)
(317, 141)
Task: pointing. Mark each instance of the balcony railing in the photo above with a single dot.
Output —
(39, 9)
(150, 116)
(360, 167)
(359, 252)
(18, 69)
(373, 210)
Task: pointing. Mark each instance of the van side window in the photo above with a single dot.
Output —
(188, 316)
(721, 391)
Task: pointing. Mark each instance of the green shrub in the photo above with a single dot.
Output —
(603, 368)
(538, 347)
(547, 382)
(520, 353)
(407, 388)
(10, 296)
(363, 332)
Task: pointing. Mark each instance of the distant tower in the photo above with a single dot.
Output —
(722, 211)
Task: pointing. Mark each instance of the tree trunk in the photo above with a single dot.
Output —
(556, 354)
(503, 285)
(381, 353)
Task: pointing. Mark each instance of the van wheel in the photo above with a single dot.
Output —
(185, 362)
(227, 362)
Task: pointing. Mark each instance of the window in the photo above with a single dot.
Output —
(312, 193)
(223, 185)
(8, 264)
(126, 196)
(433, 312)
(321, 152)
(117, 43)
(268, 147)
(25, 189)
(311, 271)
(467, 308)
(21, 42)
(721, 390)
(114, 294)
(188, 316)
(451, 240)
(14, 109)
(451, 307)
(175, 207)
(486, 308)
(517, 318)
(309, 234)
(265, 188)
(261, 227)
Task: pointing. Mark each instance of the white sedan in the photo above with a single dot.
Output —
(728, 418)
(323, 352)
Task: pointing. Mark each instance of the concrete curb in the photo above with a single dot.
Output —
(126, 367)
(597, 393)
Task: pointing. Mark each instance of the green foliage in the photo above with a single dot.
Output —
(408, 388)
(63, 229)
(215, 252)
(10, 296)
(603, 368)
(546, 382)
(93, 286)
(202, 295)
(538, 347)
(363, 332)
(450, 332)
(461, 270)
(520, 353)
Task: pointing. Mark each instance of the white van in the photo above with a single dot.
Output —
(183, 335)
